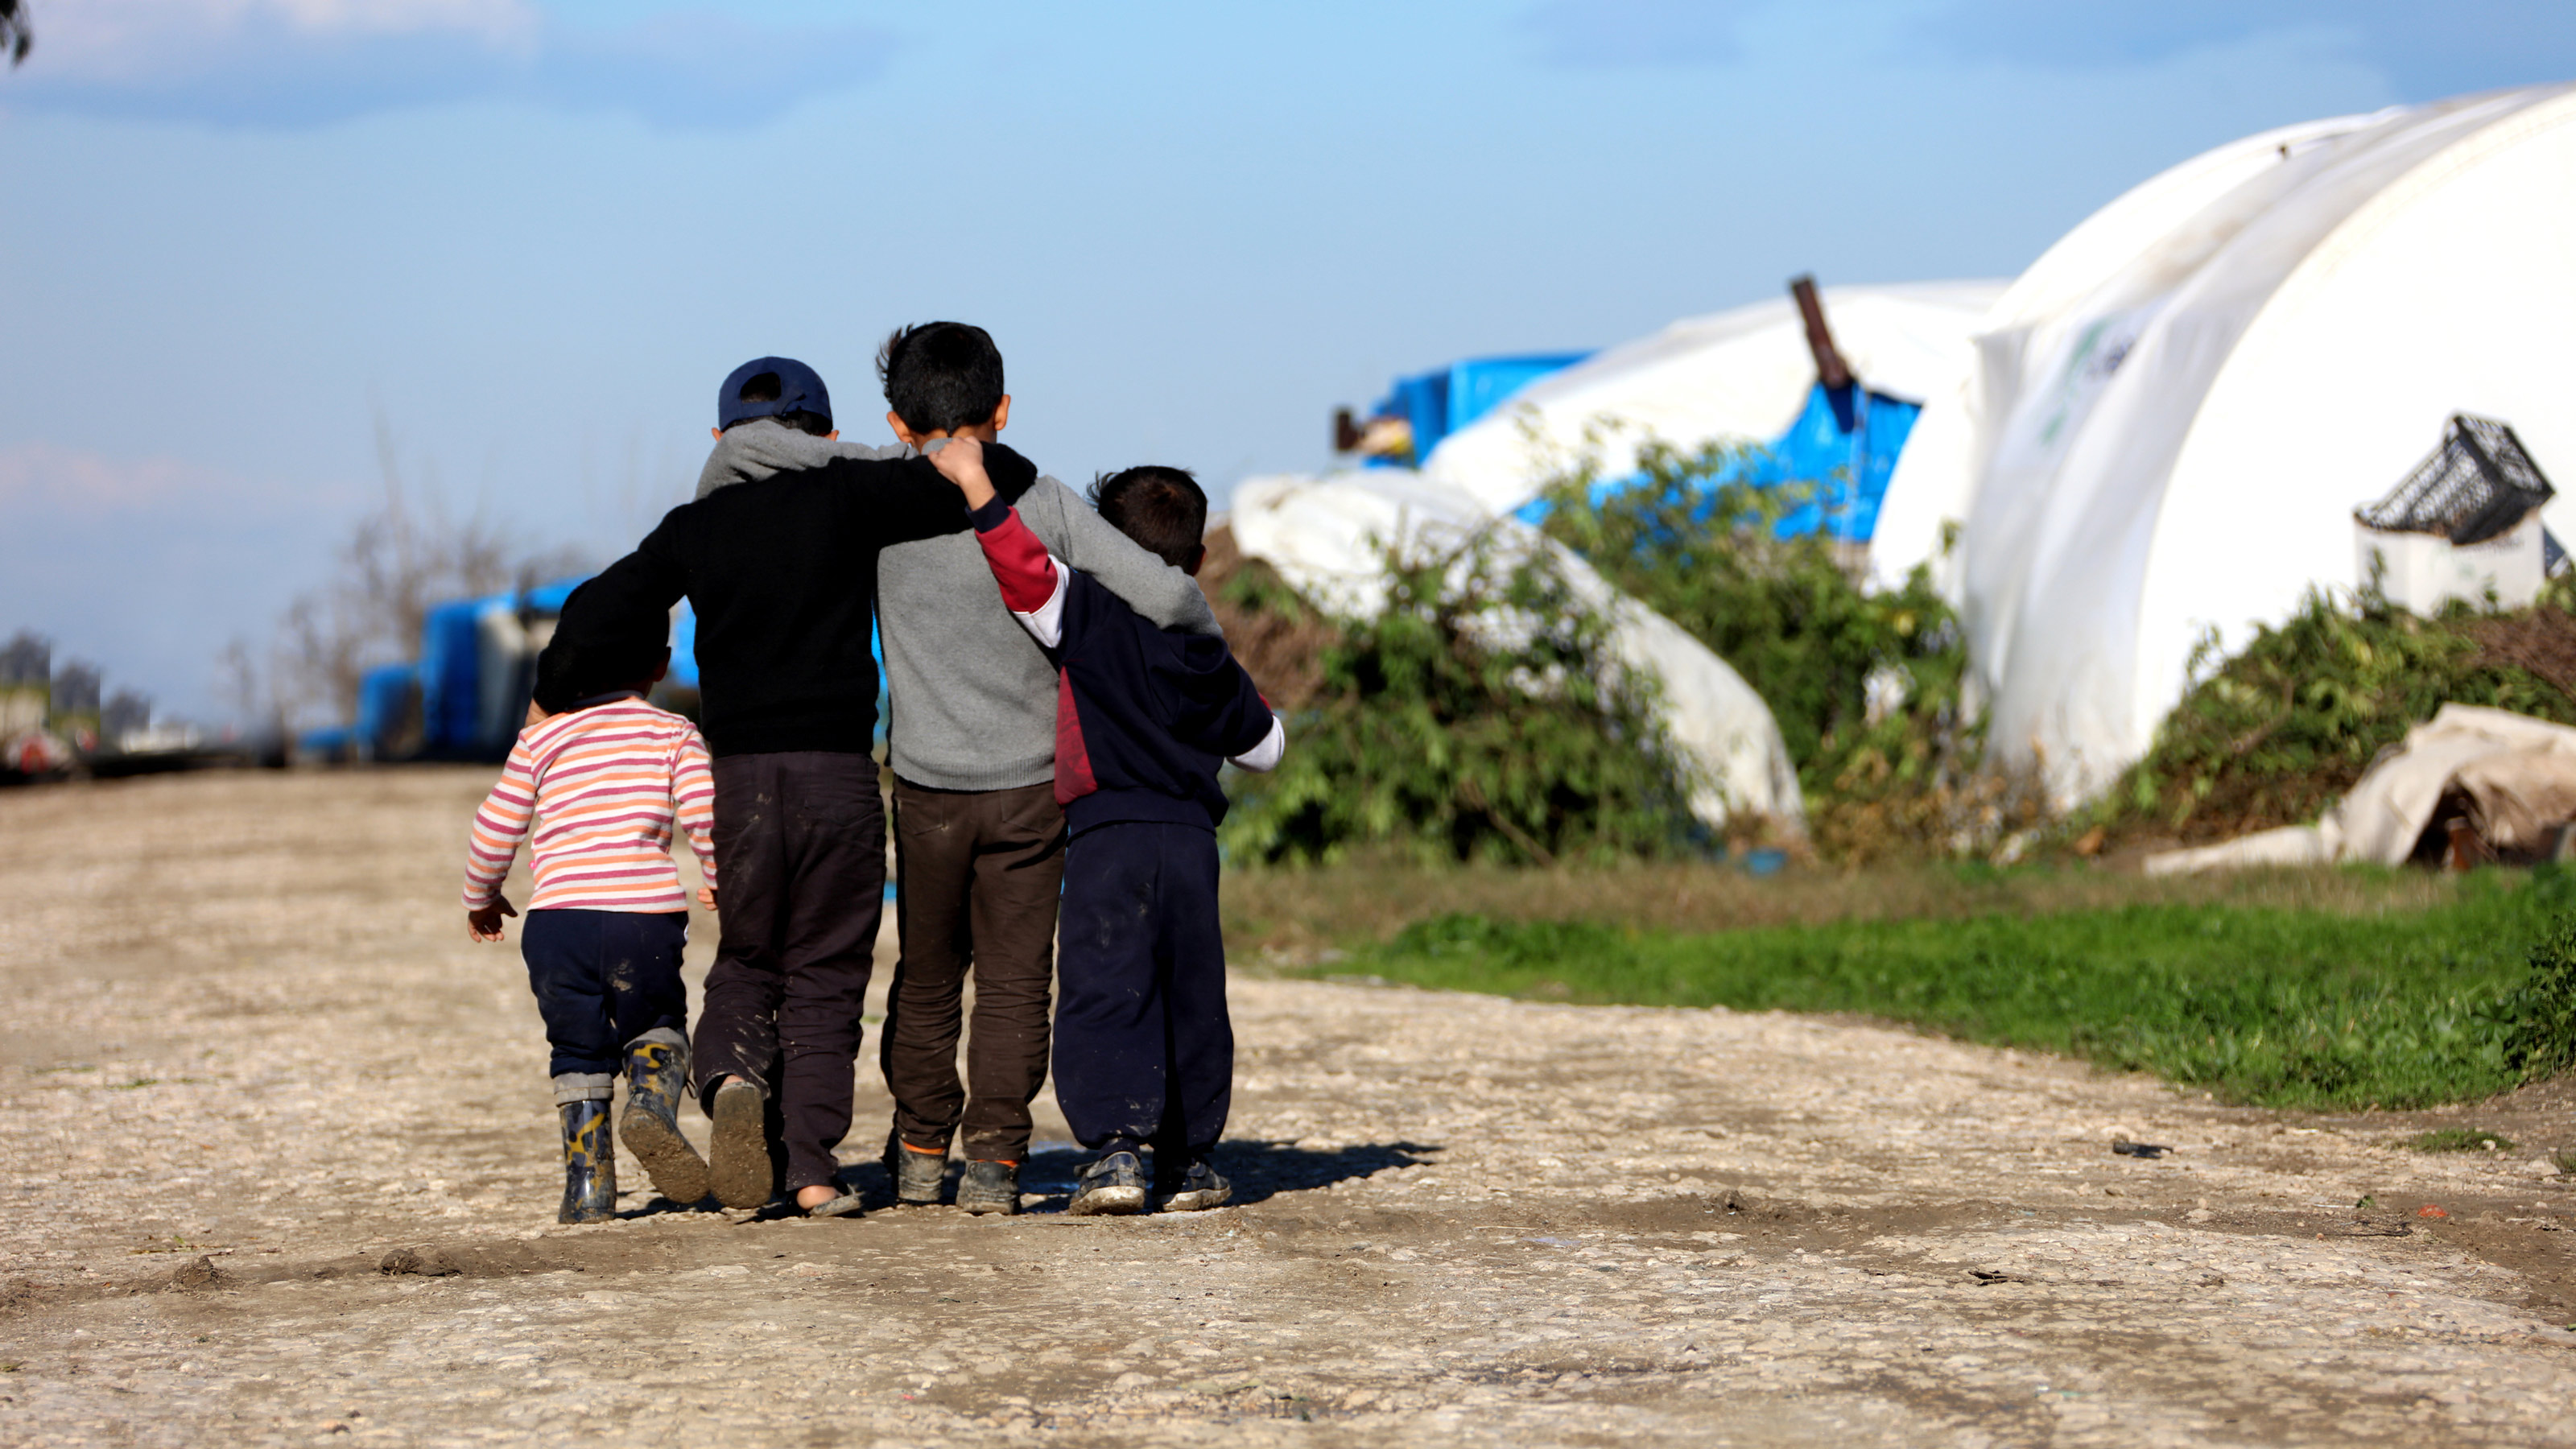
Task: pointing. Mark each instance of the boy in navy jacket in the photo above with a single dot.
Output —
(1144, 1052)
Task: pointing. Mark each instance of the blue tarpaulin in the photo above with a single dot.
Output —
(451, 699)
(1436, 404)
(1845, 445)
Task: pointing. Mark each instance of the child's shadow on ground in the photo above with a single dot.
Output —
(1258, 1170)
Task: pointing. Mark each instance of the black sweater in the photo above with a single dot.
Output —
(783, 576)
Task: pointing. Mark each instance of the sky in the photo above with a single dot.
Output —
(258, 255)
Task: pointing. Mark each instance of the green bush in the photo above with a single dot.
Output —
(2539, 1017)
(1898, 774)
(1480, 716)
(2274, 733)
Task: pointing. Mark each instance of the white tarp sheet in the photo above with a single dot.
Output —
(2518, 773)
(1326, 536)
(2175, 411)
(1733, 377)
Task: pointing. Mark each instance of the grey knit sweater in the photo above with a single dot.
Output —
(973, 695)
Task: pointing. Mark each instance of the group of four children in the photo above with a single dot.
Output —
(1061, 699)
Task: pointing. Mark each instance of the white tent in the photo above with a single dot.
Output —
(1326, 536)
(2175, 411)
(1734, 376)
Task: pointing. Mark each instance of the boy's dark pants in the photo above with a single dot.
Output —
(980, 874)
(602, 979)
(1144, 1051)
(800, 886)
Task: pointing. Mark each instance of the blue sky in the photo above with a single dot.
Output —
(523, 241)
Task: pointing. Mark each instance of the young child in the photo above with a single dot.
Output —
(596, 781)
(1144, 1052)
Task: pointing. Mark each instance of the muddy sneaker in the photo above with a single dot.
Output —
(738, 1167)
(590, 1164)
(847, 1205)
(1198, 1189)
(916, 1174)
(657, 1070)
(1112, 1186)
(990, 1187)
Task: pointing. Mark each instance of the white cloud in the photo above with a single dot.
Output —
(309, 62)
(44, 480)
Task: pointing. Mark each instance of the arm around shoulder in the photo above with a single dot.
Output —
(1081, 537)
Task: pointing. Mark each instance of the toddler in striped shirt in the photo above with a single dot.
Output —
(595, 784)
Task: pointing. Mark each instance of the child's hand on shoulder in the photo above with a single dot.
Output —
(485, 924)
(961, 461)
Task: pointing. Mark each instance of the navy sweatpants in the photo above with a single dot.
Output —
(1144, 1051)
(604, 978)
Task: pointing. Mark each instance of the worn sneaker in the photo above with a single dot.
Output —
(990, 1187)
(916, 1174)
(738, 1166)
(1199, 1188)
(1113, 1186)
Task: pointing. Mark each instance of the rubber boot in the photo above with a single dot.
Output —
(657, 1076)
(590, 1163)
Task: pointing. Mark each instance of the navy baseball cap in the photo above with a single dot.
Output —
(800, 390)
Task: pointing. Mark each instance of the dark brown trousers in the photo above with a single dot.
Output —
(978, 873)
(800, 888)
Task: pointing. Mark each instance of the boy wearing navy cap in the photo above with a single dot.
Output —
(1144, 1051)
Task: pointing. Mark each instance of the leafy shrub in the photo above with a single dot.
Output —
(1865, 685)
(1480, 716)
(2539, 1017)
(2274, 733)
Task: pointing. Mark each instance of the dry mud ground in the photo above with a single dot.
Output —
(248, 1055)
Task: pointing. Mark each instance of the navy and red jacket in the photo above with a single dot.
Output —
(1142, 717)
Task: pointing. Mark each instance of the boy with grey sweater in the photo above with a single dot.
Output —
(979, 835)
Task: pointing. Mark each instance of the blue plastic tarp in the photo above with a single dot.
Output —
(1844, 446)
(1438, 403)
(451, 697)
(384, 697)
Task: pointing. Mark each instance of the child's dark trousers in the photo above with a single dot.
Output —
(604, 978)
(1144, 1051)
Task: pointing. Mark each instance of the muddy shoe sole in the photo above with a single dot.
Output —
(1198, 1200)
(1107, 1202)
(738, 1170)
(678, 1172)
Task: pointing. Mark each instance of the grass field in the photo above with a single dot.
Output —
(2320, 989)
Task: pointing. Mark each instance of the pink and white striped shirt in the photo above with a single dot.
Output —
(601, 787)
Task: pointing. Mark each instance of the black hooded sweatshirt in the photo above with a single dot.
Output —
(783, 576)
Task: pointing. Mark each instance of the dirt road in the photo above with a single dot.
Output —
(249, 1056)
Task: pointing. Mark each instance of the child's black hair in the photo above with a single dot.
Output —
(568, 673)
(765, 387)
(941, 376)
(1163, 509)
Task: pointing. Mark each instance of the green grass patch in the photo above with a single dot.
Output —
(2458, 1139)
(2275, 1006)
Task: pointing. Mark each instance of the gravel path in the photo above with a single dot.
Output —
(250, 1057)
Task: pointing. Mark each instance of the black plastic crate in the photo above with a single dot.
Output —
(2476, 485)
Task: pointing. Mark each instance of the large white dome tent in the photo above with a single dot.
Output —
(2175, 412)
(1740, 376)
